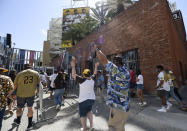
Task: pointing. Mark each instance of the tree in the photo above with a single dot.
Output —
(79, 31)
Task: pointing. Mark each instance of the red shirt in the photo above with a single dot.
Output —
(132, 76)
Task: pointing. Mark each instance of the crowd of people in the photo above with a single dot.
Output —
(18, 90)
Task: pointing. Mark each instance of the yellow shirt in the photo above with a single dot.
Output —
(6, 85)
(26, 83)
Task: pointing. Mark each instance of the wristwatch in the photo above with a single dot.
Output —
(97, 49)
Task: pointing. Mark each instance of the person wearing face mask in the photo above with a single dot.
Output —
(117, 90)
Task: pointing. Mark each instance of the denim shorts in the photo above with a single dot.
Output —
(140, 86)
(21, 101)
(85, 107)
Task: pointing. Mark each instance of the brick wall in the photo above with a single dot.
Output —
(177, 41)
(148, 26)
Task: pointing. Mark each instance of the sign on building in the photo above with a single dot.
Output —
(74, 16)
(67, 44)
(177, 15)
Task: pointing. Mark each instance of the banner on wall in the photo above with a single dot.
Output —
(32, 55)
(22, 56)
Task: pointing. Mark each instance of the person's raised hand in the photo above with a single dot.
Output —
(96, 64)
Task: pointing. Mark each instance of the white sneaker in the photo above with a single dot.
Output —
(168, 103)
(168, 107)
(139, 103)
(57, 107)
(163, 109)
(144, 103)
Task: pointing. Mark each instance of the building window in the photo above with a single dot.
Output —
(131, 59)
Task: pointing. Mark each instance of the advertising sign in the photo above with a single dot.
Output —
(74, 16)
(66, 44)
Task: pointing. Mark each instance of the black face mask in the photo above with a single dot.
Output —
(117, 61)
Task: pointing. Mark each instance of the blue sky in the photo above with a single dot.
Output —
(28, 20)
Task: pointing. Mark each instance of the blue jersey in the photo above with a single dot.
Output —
(118, 87)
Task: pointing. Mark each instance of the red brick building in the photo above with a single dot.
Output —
(147, 34)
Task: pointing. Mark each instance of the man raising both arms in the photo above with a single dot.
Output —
(26, 83)
(117, 92)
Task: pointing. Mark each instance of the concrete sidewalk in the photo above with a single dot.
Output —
(141, 118)
(173, 120)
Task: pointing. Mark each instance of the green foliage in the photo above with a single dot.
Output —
(103, 13)
(79, 31)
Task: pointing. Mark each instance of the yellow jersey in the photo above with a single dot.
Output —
(26, 83)
(6, 85)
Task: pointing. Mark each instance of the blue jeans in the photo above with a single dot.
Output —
(172, 94)
(58, 96)
(2, 112)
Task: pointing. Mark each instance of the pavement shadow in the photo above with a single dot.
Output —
(101, 109)
(50, 120)
(51, 112)
(7, 115)
(13, 127)
(49, 107)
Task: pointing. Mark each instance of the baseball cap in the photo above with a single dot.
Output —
(3, 69)
(86, 72)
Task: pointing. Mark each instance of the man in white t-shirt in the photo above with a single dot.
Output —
(161, 91)
(52, 78)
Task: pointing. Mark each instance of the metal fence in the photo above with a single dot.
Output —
(23, 56)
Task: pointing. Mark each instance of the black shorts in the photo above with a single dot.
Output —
(9, 101)
(161, 93)
(21, 101)
(85, 107)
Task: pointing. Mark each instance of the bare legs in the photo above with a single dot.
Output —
(84, 120)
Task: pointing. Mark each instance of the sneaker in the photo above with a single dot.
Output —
(139, 103)
(168, 103)
(57, 107)
(169, 106)
(163, 109)
(91, 129)
(144, 103)
(86, 129)
(30, 126)
(16, 122)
